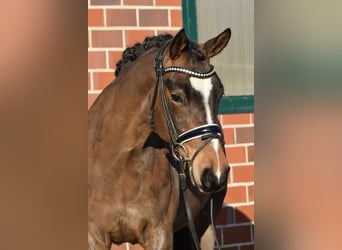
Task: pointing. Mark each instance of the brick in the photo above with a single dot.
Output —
(252, 228)
(107, 38)
(235, 195)
(247, 247)
(244, 213)
(236, 154)
(95, 17)
(89, 85)
(96, 59)
(121, 17)
(138, 2)
(134, 36)
(236, 234)
(219, 117)
(218, 235)
(225, 216)
(114, 57)
(245, 135)
(105, 2)
(251, 193)
(168, 2)
(229, 248)
(91, 99)
(243, 173)
(165, 31)
(135, 247)
(88, 38)
(176, 17)
(229, 136)
(118, 247)
(230, 119)
(251, 118)
(153, 18)
(250, 153)
(102, 79)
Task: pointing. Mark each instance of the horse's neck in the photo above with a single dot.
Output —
(119, 119)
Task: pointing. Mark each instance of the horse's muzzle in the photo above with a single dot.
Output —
(211, 182)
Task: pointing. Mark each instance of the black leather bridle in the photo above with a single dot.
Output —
(205, 132)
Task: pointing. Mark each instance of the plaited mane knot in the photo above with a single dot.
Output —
(132, 53)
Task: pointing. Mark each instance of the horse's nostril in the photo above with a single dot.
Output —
(209, 180)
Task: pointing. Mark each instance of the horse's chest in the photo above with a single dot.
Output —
(144, 196)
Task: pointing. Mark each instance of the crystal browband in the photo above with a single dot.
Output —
(190, 72)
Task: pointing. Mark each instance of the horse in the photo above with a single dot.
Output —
(157, 169)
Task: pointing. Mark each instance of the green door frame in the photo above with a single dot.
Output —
(228, 104)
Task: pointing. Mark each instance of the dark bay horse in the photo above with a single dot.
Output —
(152, 133)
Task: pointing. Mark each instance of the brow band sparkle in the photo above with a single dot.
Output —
(190, 72)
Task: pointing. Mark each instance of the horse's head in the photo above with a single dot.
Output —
(191, 91)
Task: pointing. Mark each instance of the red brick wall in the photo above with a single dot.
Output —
(114, 25)
(235, 222)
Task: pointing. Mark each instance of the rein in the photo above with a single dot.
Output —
(206, 132)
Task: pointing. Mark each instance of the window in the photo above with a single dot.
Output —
(203, 20)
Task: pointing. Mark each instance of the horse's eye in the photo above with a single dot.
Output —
(176, 97)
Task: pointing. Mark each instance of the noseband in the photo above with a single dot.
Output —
(205, 132)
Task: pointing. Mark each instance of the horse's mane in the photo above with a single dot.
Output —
(132, 53)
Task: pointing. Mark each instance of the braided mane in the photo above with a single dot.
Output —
(132, 53)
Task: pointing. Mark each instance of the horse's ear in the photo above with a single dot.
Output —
(215, 45)
(178, 44)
